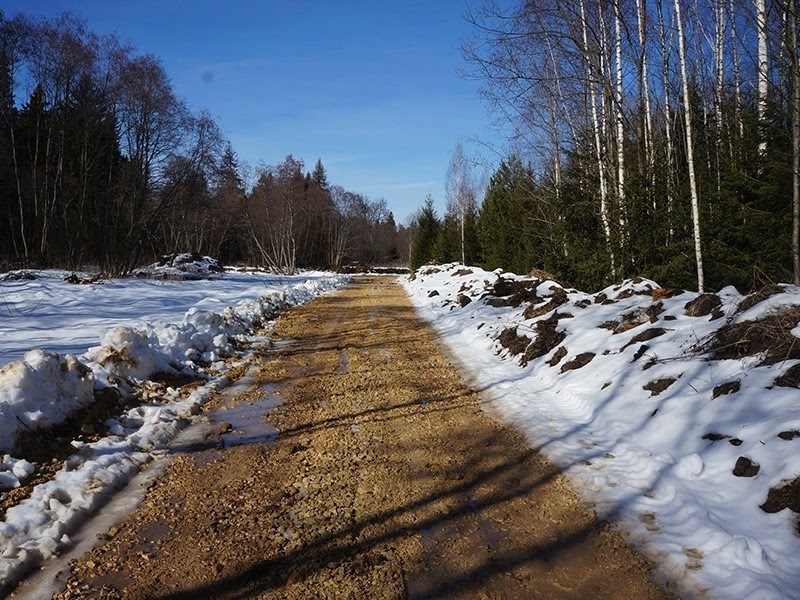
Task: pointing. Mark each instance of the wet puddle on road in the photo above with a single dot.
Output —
(245, 422)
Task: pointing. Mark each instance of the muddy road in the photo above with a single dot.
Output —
(385, 480)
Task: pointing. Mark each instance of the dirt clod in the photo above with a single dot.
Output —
(791, 378)
(729, 387)
(715, 437)
(547, 338)
(758, 296)
(770, 337)
(581, 360)
(557, 356)
(535, 310)
(514, 343)
(702, 306)
(783, 496)
(657, 386)
(745, 467)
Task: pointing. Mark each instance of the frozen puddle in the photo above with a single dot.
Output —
(232, 424)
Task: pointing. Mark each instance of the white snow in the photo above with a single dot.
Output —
(143, 327)
(641, 457)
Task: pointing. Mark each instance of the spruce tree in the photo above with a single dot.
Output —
(319, 175)
(423, 246)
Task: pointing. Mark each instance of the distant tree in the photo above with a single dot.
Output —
(228, 202)
(388, 234)
(461, 197)
(319, 176)
(423, 246)
(275, 206)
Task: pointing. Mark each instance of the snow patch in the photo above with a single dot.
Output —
(659, 459)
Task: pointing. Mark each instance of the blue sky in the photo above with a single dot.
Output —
(372, 88)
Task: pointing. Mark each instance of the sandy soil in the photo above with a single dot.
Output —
(386, 480)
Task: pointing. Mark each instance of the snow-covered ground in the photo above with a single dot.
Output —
(671, 432)
(61, 343)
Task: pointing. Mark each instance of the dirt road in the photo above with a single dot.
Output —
(386, 480)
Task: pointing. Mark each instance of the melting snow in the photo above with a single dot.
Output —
(660, 462)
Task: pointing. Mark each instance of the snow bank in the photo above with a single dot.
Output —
(39, 391)
(43, 388)
(622, 390)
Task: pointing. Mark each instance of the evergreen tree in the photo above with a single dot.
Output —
(423, 246)
(448, 240)
(320, 176)
(502, 226)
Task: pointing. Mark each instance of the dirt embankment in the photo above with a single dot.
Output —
(386, 480)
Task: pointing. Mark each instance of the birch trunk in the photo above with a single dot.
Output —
(689, 147)
(620, 123)
(641, 12)
(763, 75)
(662, 34)
(719, 50)
(737, 78)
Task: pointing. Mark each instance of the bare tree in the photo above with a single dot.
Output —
(460, 190)
(273, 214)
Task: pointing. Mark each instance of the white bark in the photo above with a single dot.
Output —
(763, 74)
(719, 50)
(460, 192)
(620, 122)
(665, 46)
(641, 12)
(690, 148)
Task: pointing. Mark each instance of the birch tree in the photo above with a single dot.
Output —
(460, 190)
(687, 108)
(763, 75)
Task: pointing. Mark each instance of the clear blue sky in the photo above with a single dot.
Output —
(370, 87)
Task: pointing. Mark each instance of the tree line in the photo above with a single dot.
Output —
(103, 165)
(649, 137)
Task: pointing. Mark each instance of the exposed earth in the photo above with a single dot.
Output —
(385, 479)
